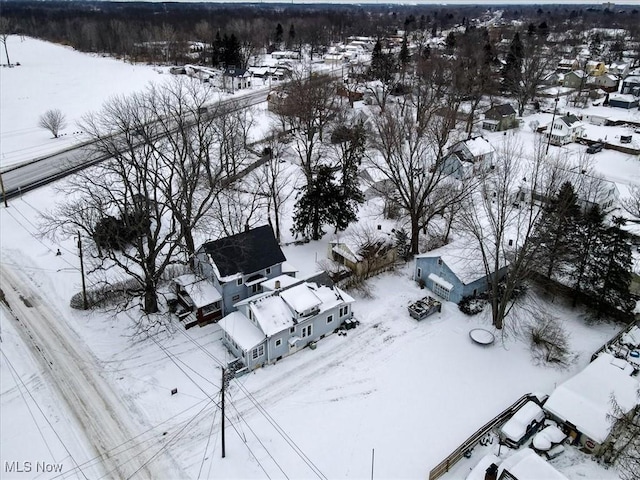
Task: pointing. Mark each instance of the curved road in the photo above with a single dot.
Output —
(75, 373)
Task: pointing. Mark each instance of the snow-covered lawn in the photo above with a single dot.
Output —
(53, 76)
(412, 391)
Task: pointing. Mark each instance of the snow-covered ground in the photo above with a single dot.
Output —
(53, 76)
(413, 391)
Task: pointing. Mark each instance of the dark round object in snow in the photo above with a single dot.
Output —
(482, 336)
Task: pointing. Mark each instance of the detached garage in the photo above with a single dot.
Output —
(620, 100)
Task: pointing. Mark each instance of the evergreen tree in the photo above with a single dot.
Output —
(404, 52)
(231, 51)
(512, 70)
(587, 236)
(292, 35)
(450, 41)
(216, 50)
(383, 66)
(279, 34)
(351, 196)
(595, 45)
(315, 207)
(556, 232)
(611, 273)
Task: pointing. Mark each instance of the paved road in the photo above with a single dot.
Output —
(30, 175)
(74, 371)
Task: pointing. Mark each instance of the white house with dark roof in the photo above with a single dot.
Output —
(234, 78)
(274, 324)
(565, 130)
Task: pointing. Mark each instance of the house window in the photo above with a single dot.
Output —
(510, 243)
(439, 261)
(267, 271)
(278, 342)
(330, 319)
(306, 331)
(292, 330)
(419, 273)
(256, 288)
(239, 281)
(344, 310)
(257, 352)
(235, 298)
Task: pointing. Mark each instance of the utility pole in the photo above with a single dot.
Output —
(4, 194)
(373, 457)
(555, 108)
(222, 408)
(84, 286)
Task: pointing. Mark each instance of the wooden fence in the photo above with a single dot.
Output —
(444, 466)
(614, 340)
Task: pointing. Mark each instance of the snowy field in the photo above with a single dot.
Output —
(52, 76)
(412, 391)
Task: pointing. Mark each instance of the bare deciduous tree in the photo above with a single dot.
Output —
(308, 109)
(5, 31)
(139, 207)
(409, 156)
(500, 218)
(53, 120)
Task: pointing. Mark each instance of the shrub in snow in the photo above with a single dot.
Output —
(549, 340)
(471, 305)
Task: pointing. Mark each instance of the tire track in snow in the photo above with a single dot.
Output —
(74, 371)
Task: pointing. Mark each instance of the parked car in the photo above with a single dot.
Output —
(522, 425)
(595, 148)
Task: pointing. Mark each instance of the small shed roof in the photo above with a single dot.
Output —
(503, 110)
(201, 292)
(585, 399)
(241, 330)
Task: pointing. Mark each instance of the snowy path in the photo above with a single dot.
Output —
(75, 373)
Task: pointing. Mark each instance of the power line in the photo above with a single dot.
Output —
(267, 416)
(43, 415)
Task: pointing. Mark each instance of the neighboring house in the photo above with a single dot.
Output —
(364, 258)
(619, 69)
(334, 59)
(453, 272)
(631, 85)
(575, 79)
(566, 65)
(467, 157)
(606, 82)
(621, 100)
(237, 265)
(565, 130)
(235, 79)
(553, 79)
(595, 68)
(499, 118)
(198, 301)
(583, 403)
(590, 190)
(272, 325)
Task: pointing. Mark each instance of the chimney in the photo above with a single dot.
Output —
(492, 472)
(277, 285)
